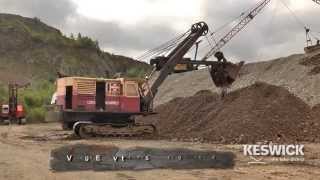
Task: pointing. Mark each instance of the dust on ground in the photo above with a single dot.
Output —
(26, 149)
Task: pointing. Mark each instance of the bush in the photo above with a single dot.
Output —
(35, 98)
(135, 72)
(38, 38)
(36, 114)
(3, 94)
(86, 42)
(31, 100)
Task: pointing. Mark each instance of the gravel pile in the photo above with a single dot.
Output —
(257, 113)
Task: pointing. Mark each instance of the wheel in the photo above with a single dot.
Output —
(224, 92)
(66, 126)
(81, 132)
(6, 122)
(22, 121)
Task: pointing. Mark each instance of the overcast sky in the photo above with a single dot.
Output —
(130, 27)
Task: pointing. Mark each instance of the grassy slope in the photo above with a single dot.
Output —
(31, 51)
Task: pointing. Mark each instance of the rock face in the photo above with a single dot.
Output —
(297, 73)
(257, 113)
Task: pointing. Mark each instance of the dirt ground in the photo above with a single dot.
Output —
(25, 152)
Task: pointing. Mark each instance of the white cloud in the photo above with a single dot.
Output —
(131, 12)
(130, 26)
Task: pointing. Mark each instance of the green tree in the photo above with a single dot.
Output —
(79, 36)
(72, 36)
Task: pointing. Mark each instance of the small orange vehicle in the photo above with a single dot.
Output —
(13, 112)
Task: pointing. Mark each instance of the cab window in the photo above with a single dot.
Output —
(114, 89)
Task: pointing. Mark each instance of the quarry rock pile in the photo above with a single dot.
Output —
(257, 113)
(298, 73)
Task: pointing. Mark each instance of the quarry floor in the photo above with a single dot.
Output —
(25, 152)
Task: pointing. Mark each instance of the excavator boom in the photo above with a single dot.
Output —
(236, 29)
(174, 57)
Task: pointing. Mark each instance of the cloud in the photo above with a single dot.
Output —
(63, 14)
(137, 37)
(273, 33)
(53, 12)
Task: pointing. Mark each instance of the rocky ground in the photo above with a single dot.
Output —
(25, 154)
(274, 101)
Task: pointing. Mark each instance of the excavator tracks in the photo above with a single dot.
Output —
(86, 130)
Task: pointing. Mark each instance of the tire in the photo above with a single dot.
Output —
(79, 130)
(6, 122)
(83, 134)
(22, 121)
(66, 126)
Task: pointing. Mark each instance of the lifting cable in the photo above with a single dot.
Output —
(169, 45)
(160, 49)
(232, 21)
(236, 19)
(164, 47)
(299, 21)
(293, 14)
(170, 42)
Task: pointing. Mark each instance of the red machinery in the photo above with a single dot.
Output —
(13, 112)
(97, 106)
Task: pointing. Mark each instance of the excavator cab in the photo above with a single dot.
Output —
(159, 61)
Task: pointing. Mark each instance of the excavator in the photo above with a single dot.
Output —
(108, 107)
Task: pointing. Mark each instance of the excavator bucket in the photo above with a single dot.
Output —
(224, 74)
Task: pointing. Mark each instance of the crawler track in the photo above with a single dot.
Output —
(88, 129)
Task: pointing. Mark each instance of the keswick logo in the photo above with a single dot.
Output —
(278, 152)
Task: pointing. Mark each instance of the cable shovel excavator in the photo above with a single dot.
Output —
(107, 107)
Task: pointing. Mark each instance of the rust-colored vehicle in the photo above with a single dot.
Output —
(13, 112)
(106, 101)
(98, 106)
(18, 116)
